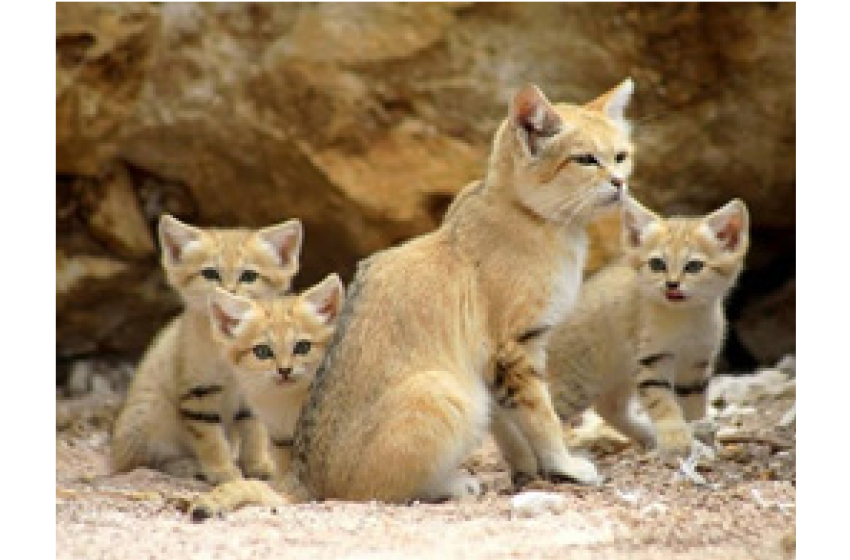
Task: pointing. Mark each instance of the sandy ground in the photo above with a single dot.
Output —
(644, 511)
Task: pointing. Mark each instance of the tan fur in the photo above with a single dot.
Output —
(624, 316)
(182, 376)
(275, 387)
(409, 383)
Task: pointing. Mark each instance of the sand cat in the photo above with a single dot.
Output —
(183, 402)
(274, 348)
(652, 324)
(442, 333)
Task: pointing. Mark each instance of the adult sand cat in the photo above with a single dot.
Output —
(652, 324)
(183, 401)
(274, 348)
(442, 332)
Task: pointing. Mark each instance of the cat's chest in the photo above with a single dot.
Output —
(564, 285)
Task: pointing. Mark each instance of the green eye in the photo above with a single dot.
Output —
(302, 347)
(585, 159)
(621, 157)
(210, 274)
(249, 276)
(657, 264)
(693, 267)
(263, 352)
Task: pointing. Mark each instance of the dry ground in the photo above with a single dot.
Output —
(642, 512)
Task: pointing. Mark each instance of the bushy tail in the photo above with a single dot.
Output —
(235, 494)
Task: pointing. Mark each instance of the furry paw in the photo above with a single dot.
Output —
(675, 441)
(576, 470)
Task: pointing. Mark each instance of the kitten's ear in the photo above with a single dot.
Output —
(730, 225)
(613, 102)
(284, 241)
(325, 299)
(175, 237)
(229, 313)
(638, 223)
(534, 118)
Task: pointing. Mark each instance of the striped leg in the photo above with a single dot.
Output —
(254, 455)
(521, 392)
(692, 393)
(200, 412)
(655, 391)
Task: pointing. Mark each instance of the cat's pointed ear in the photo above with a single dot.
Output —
(229, 313)
(729, 226)
(283, 241)
(638, 223)
(175, 237)
(534, 118)
(613, 102)
(325, 299)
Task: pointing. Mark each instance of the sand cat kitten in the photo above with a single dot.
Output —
(652, 324)
(274, 348)
(442, 332)
(183, 402)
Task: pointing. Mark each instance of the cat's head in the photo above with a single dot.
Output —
(565, 161)
(281, 340)
(254, 263)
(683, 261)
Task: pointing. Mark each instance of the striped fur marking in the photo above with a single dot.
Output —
(532, 333)
(283, 442)
(651, 360)
(661, 384)
(697, 388)
(242, 414)
(208, 417)
(201, 391)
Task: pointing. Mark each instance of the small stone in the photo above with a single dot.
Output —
(534, 502)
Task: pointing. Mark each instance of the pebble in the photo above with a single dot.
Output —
(534, 502)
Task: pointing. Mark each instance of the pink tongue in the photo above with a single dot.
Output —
(675, 295)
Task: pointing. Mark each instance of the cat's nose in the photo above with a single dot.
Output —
(672, 285)
(284, 372)
(617, 182)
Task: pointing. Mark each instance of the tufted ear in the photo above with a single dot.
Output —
(325, 299)
(729, 225)
(638, 223)
(229, 313)
(534, 118)
(613, 102)
(175, 237)
(284, 241)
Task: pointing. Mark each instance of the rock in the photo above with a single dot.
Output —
(364, 119)
(532, 503)
(767, 326)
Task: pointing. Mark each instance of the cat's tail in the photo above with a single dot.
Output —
(237, 493)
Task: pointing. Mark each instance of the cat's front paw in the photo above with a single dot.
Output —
(576, 470)
(674, 442)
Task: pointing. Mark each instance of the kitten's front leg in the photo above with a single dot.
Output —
(522, 395)
(254, 455)
(282, 452)
(656, 393)
(514, 447)
(200, 409)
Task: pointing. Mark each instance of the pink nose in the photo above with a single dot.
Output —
(284, 372)
(617, 182)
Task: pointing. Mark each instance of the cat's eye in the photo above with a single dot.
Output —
(585, 159)
(249, 276)
(621, 157)
(263, 352)
(210, 274)
(693, 267)
(302, 347)
(657, 264)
